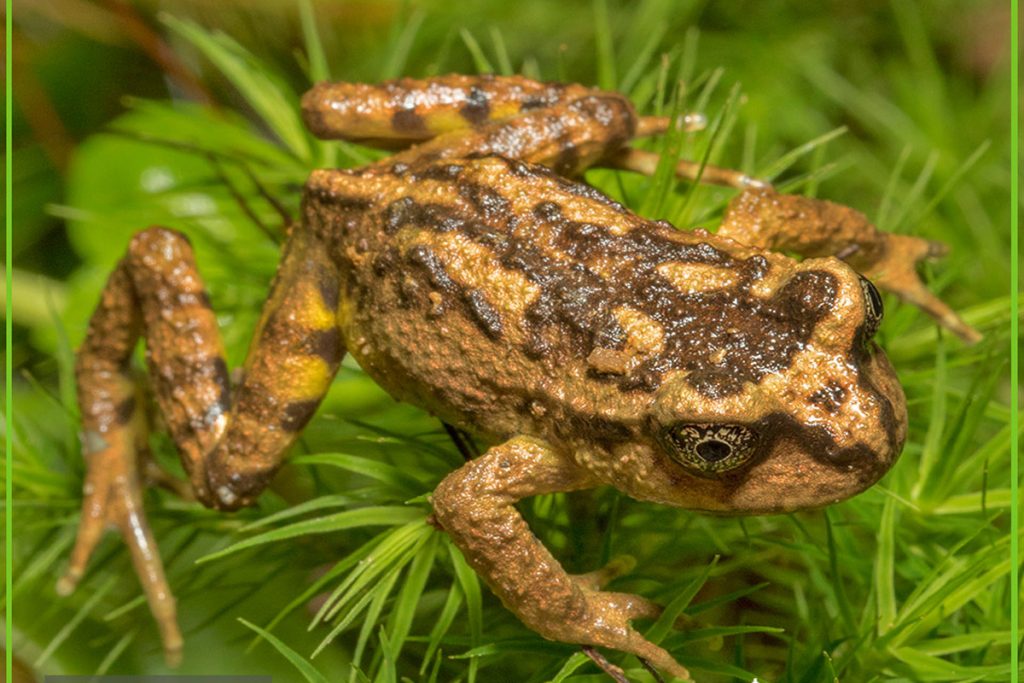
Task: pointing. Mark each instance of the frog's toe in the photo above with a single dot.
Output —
(620, 565)
(113, 498)
(897, 273)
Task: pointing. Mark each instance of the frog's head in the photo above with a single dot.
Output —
(793, 406)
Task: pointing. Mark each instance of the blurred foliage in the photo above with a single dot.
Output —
(170, 112)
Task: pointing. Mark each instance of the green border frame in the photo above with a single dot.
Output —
(8, 370)
(1014, 339)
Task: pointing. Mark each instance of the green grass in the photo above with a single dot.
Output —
(907, 582)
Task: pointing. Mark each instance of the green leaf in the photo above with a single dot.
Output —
(398, 55)
(444, 622)
(319, 70)
(404, 608)
(381, 515)
(480, 61)
(674, 609)
(884, 575)
(774, 169)
(974, 503)
(378, 596)
(395, 549)
(470, 586)
(570, 666)
(375, 469)
(606, 78)
(664, 177)
(501, 52)
(304, 667)
(265, 92)
(342, 566)
(321, 503)
(68, 628)
(962, 643)
(930, 668)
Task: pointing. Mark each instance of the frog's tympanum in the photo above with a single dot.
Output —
(471, 275)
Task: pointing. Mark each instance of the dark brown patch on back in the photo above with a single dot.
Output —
(721, 338)
(472, 301)
(829, 398)
(408, 121)
(477, 107)
(486, 317)
(488, 202)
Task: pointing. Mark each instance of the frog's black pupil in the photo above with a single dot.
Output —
(713, 450)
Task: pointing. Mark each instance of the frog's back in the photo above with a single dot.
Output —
(505, 298)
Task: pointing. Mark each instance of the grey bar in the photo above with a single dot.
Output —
(157, 679)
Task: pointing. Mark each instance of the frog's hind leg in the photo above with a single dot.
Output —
(229, 449)
(761, 217)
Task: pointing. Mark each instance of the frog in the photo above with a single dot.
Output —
(475, 274)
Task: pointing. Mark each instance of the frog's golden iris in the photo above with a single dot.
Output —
(710, 449)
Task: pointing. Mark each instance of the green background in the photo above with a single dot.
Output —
(909, 581)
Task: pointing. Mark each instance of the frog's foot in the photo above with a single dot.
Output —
(646, 163)
(896, 272)
(605, 622)
(763, 218)
(595, 581)
(113, 498)
(621, 565)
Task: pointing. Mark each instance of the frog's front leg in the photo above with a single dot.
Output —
(475, 505)
(761, 217)
(230, 448)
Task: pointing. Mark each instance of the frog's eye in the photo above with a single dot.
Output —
(709, 449)
(872, 306)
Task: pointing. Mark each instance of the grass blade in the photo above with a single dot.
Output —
(469, 583)
(268, 95)
(483, 65)
(382, 515)
(885, 586)
(308, 671)
(605, 58)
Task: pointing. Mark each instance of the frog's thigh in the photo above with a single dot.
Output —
(230, 448)
(475, 505)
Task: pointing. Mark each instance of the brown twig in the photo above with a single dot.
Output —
(616, 673)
